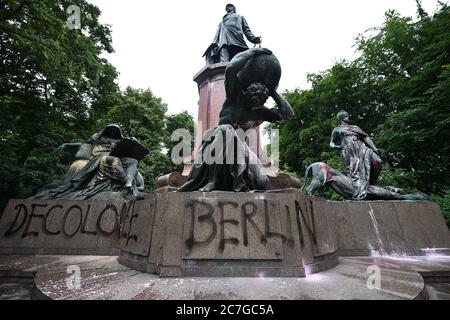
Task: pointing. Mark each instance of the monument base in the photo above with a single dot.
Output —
(103, 278)
(279, 233)
(175, 180)
(226, 234)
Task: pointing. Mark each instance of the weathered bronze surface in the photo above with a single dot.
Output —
(250, 79)
(322, 175)
(229, 39)
(361, 157)
(359, 154)
(97, 173)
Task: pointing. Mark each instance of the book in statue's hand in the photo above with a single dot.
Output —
(129, 148)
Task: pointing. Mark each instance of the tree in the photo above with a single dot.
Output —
(181, 120)
(398, 91)
(305, 138)
(54, 85)
(143, 116)
(415, 83)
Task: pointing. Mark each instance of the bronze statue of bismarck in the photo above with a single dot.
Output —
(229, 39)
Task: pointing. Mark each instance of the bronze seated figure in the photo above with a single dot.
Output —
(97, 173)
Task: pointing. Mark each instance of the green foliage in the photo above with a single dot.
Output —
(55, 87)
(398, 91)
(143, 116)
(444, 202)
(175, 122)
(412, 64)
(398, 177)
(305, 138)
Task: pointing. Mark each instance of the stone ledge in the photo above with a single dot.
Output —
(162, 232)
(231, 235)
(104, 278)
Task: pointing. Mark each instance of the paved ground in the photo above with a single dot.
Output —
(439, 291)
(104, 278)
(15, 291)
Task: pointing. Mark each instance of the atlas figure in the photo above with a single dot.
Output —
(250, 79)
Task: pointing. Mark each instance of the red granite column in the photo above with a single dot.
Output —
(211, 88)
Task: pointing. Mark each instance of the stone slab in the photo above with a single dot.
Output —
(238, 229)
(61, 227)
(239, 233)
(102, 278)
(137, 227)
(280, 233)
(399, 228)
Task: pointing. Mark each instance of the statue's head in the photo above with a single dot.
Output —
(343, 116)
(113, 131)
(256, 94)
(230, 8)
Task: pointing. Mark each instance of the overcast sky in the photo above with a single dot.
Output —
(159, 43)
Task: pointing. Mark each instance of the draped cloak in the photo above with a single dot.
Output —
(101, 174)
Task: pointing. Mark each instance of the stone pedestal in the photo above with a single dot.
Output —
(211, 87)
(225, 234)
(389, 228)
(280, 233)
(64, 227)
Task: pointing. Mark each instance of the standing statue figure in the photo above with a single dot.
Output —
(229, 39)
(250, 79)
(359, 154)
(99, 174)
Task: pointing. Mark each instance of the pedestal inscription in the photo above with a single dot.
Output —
(275, 234)
(65, 227)
(232, 234)
(217, 229)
